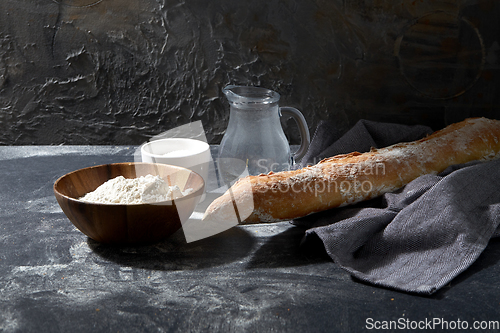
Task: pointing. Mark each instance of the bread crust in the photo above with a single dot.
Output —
(350, 178)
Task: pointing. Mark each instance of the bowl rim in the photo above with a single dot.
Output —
(196, 192)
(205, 145)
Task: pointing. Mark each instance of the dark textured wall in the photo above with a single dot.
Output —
(121, 71)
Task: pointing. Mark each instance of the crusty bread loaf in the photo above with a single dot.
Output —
(354, 177)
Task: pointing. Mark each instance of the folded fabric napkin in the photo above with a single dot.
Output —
(418, 238)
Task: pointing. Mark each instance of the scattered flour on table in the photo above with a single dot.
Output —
(144, 189)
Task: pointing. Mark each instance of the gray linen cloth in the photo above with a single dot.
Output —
(418, 238)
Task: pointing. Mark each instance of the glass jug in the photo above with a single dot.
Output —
(254, 141)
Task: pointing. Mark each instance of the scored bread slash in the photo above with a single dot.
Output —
(350, 178)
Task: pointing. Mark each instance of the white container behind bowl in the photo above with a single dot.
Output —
(188, 153)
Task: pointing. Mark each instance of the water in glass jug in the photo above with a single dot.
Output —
(254, 142)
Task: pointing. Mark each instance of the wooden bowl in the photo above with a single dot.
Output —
(121, 223)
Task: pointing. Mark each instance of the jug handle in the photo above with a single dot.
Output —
(305, 138)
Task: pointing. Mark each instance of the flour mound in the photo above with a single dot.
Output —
(144, 189)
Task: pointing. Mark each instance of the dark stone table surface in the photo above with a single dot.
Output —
(246, 279)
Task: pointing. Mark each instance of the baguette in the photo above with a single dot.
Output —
(347, 179)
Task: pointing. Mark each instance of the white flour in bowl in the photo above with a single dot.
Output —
(144, 189)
